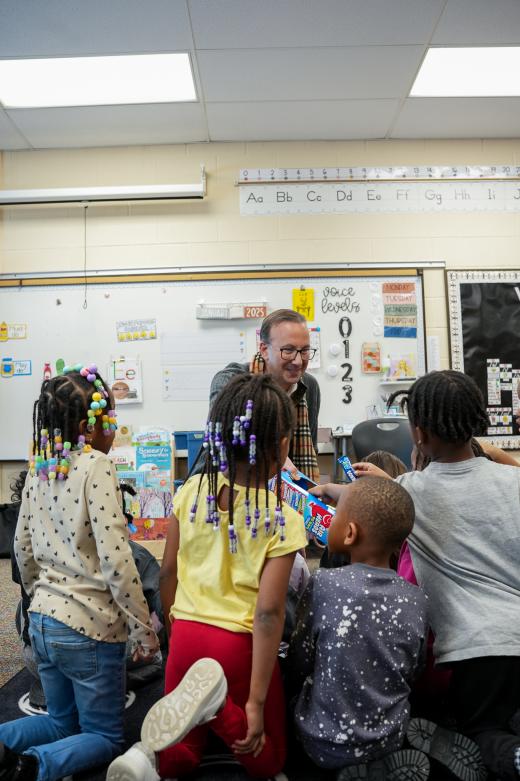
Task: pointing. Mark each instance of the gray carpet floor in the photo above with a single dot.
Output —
(9, 643)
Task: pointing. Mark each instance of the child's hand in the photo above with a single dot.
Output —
(328, 492)
(293, 470)
(254, 741)
(147, 653)
(364, 469)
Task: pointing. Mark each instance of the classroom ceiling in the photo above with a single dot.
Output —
(265, 70)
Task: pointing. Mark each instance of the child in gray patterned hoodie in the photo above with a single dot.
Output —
(359, 639)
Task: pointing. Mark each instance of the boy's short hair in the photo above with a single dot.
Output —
(383, 508)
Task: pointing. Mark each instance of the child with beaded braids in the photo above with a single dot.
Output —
(71, 546)
(226, 568)
(465, 548)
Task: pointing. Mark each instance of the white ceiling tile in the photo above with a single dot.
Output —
(299, 69)
(271, 23)
(294, 121)
(458, 118)
(10, 138)
(485, 22)
(112, 125)
(308, 74)
(83, 27)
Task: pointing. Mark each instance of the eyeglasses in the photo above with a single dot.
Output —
(290, 353)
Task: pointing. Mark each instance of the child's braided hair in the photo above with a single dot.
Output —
(273, 418)
(63, 403)
(446, 403)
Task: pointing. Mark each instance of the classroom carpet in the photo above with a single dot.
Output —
(218, 766)
(9, 640)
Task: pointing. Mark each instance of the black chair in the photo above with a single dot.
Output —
(391, 434)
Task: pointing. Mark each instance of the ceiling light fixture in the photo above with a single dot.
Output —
(474, 71)
(96, 81)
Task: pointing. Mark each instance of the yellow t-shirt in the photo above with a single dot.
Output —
(215, 586)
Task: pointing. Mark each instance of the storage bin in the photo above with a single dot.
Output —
(195, 439)
(190, 441)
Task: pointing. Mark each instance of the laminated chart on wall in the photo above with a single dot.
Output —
(189, 361)
(372, 190)
(400, 310)
(484, 309)
(135, 330)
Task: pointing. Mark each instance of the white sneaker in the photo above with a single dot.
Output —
(195, 701)
(136, 764)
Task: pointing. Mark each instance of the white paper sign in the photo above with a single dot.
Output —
(125, 380)
(375, 197)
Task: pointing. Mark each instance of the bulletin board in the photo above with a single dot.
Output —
(149, 323)
(484, 318)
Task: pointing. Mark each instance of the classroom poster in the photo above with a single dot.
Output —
(12, 331)
(303, 302)
(10, 368)
(135, 330)
(400, 310)
(125, 380)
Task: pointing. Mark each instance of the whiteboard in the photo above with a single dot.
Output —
(59, 327)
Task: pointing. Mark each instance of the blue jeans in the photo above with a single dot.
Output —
(84, 685)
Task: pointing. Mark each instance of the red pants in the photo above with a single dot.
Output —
(191, 641)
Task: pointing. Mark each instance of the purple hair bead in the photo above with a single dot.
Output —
(254, 528)
(282, 527)
(252, 450)
(209, 511)
(267, 521)
(232, 539)
(249, 414)
(236, 431)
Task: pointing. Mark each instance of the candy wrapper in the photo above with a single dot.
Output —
(344, 461)
(317, 515)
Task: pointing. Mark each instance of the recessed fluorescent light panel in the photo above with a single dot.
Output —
(96, 81)
(483, 71)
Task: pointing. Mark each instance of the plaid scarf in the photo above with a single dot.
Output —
(301, 452)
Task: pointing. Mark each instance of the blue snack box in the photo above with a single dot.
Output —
(317, 515)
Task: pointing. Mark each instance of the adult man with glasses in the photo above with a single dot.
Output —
(284, 353)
